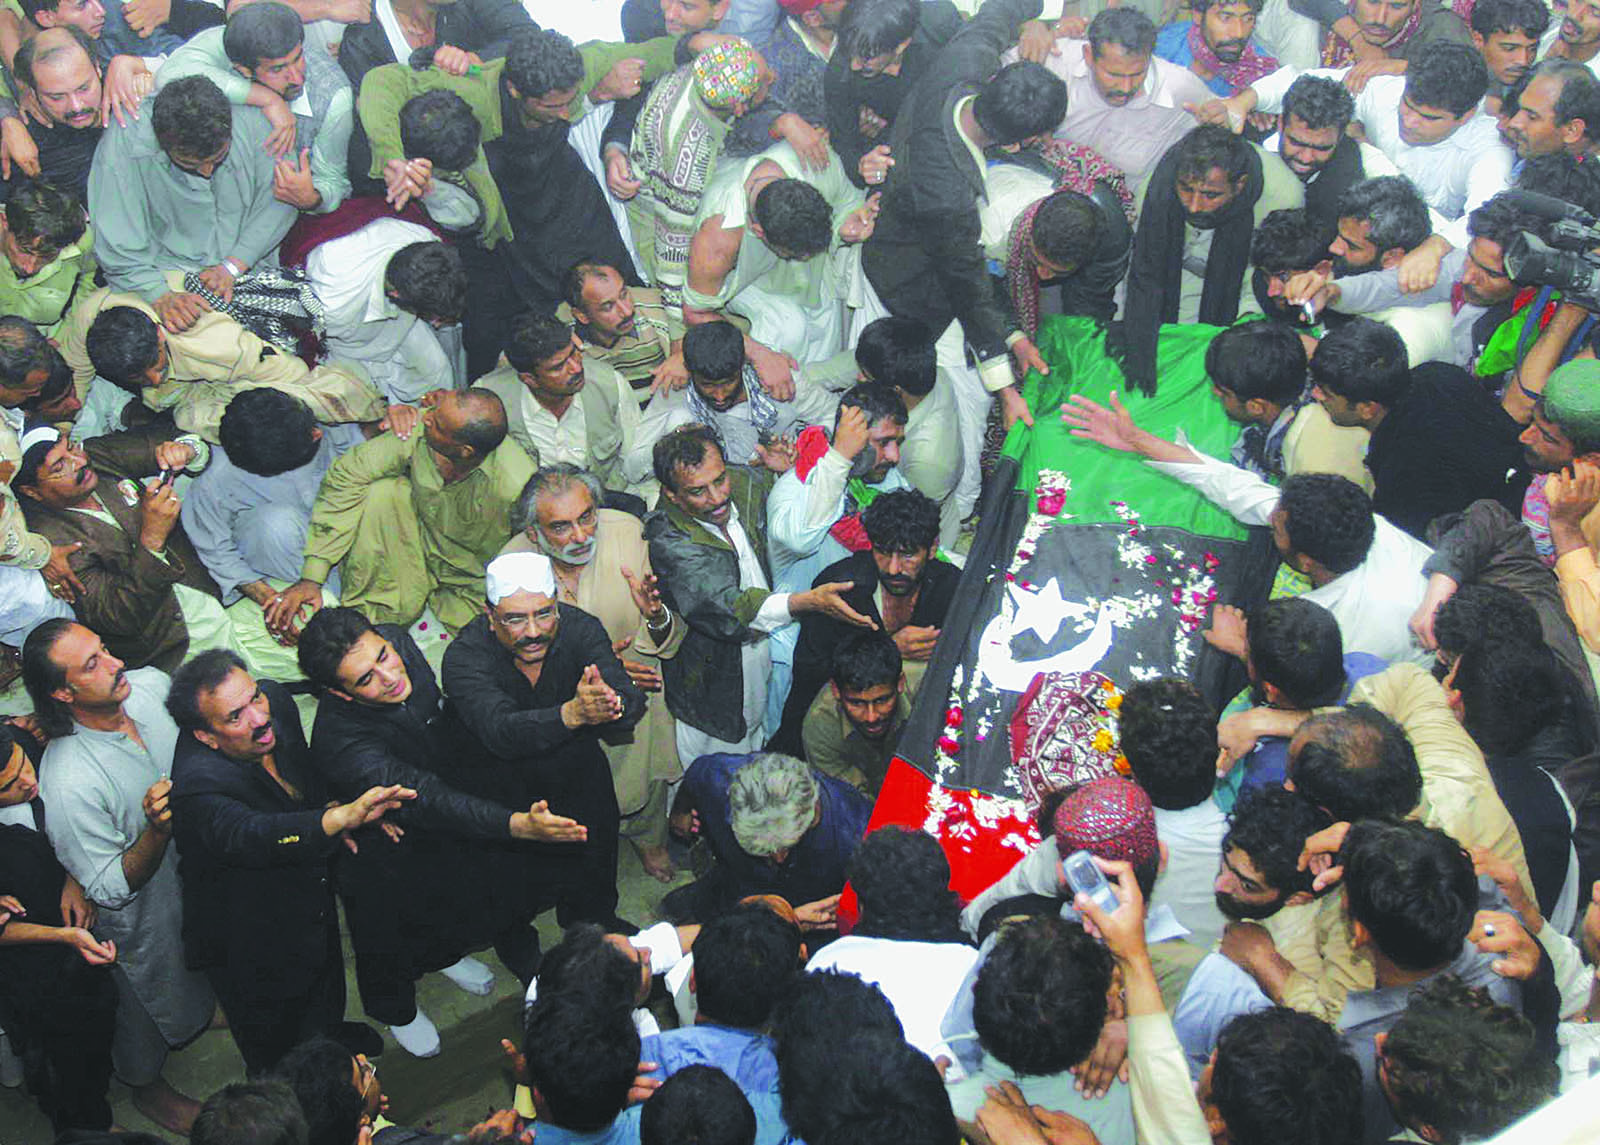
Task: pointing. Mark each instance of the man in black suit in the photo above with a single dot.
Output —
(257, 837)
(535, 684)
(900, 570)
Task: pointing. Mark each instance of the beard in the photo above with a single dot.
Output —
(1205, 220)
(1238, 911)
(573, 553)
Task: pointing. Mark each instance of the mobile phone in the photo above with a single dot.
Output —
(1085, 878)
(168, 476)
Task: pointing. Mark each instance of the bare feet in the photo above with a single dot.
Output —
(173, 1111)
(657, 863)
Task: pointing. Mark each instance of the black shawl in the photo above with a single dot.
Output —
(1157, 267)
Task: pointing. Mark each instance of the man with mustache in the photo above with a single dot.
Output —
(896, 582)
(49, 255)
(709, 549)
(602, 566)
(145, 589)
(563, 406)
(105, 779)
(1508, 32)
(1218, 44)
(1558, 110)
(535, 684)
(443, 890)
(260, 60)
(1578, 37)
(1123, 100)
(59, 66)
(1191, 250)
(853, 726)
(258, 834)
(626, 327)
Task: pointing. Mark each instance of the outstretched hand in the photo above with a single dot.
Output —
(1113, 428)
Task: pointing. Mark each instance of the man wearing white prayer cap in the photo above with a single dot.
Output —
(535, 684)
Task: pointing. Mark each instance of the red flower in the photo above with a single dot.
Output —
(949, 745)
(953, 717)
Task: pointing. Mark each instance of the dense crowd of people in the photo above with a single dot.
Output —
(435, 453)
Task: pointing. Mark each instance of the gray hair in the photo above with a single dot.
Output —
(553, 478)
(771, 803)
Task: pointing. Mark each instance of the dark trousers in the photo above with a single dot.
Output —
(492, 304)
(265, 1028)
(586, 873)
(61, 1027)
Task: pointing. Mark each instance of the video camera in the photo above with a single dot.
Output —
(1564, 259)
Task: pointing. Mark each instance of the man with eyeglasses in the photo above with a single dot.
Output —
(535, 684)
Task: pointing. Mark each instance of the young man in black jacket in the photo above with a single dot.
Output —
(443, 889)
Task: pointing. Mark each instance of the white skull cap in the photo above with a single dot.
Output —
(519, 572)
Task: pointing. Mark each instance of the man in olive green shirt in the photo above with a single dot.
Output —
(49, 255)
(413, 521)
(854, 724)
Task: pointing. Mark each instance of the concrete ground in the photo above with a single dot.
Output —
(447, 1093)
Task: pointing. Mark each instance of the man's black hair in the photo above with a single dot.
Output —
(250, 1113)
(1328, 518)
(714, 351)
(42, 675)
(1447, 76)
(1509, 693)
(540, 61)
(1264, 360)
(42, 215)
(1356, 763)
(1562, 175)
(743, 963)
(1498, 221)
(1024, 99)
(683, 448)
(794, 218)
(439, 126)
(55, 387)
(698, 1105)
(1066, 229)
(1288, 241)
(1169, 736)
(902, 521)
(1488, 614)
(428, 280)
(822, 1012)
(24, 350)
(191, 117)
(875, 400)
(1395, 214)
(902, 881)
(1284, 1076)
(320, 1072)
(873, 28)
(1530, 17)
(1462, 1065)
(1127, 28)
(882, 1090)
(1319, 102)
(583, 960)
(1363, 361)
(122, 343)
(203, 672)
(580, 273)
(1413, 889)
(535, 338)
(1040, 997)
(267, 432)
(326, 640)
(262, 31)
(1271, 824)
(898, 352)
(863, 660)
(1200, 7)
(582, 1054)
(1211, 147)
(1295, 646)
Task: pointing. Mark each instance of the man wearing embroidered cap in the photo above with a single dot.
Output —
(1563, 441)
(677, 144)
(535, 683)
